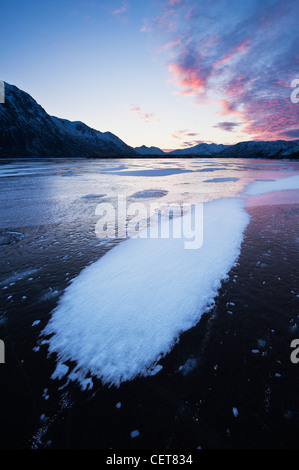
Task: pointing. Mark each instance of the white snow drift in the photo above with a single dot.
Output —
(125, 311)
(261, 187)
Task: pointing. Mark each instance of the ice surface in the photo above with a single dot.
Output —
(221, 180)
(148, 193)
(124, 311)
(262, 187)
(18, 276)
(151, 172)
(9, 238)
(93, 196)
(54, 192)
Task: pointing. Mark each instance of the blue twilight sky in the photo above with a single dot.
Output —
(169, 73)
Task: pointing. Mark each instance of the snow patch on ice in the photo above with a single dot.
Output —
(126, 311)
(9, 238)
(221, 180)
(18, 276)
(60, 371)
(262, 343)
(188, 367)
(155, 370)
(50, 294)
(135, 434)
(261, 187)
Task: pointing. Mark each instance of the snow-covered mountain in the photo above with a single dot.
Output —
(149, 150)
(260, 149)
(251, 149)
(28, 131)
(201, 149)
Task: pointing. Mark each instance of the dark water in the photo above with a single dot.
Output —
(47, 237)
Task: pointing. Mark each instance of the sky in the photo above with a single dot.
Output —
(165, 73)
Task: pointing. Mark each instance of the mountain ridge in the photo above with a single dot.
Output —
(144, 150)
(27, 130)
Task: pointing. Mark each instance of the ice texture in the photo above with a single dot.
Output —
(126, 311)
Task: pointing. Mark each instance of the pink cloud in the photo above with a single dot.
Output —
(183, 134)
(235, 51)
(171, 44)
(122, 9)
(135, 109)
(244, 61)
(146, 117)
(192, 79)
(175, 2)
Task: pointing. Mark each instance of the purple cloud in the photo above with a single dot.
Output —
(146, 117)
(182, 134)
(242, 56)
(293, 134)
(227, 126)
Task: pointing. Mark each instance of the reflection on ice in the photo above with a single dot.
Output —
(221, 180)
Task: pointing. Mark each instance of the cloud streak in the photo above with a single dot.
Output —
(187, 138)
(227, 126)
(146, 117)
(123, 8)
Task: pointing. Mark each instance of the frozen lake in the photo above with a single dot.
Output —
(50, 192)
(124, 313)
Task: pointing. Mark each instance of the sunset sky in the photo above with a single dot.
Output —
(168, 73)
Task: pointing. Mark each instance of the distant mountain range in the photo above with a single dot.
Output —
(260, 149)
(26, 130)
(251, 149)
(149, 150)
(201, 149)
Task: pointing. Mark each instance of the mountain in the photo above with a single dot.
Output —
(28, 131)
(201, 149)
(260, 149)
(149, 150)
(251, 149)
